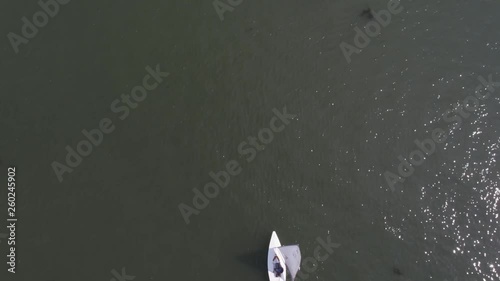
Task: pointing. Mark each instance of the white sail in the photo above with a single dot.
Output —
(292, 258)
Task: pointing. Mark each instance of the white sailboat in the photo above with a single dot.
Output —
(288, 257)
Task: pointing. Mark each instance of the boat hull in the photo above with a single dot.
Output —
(272, 252)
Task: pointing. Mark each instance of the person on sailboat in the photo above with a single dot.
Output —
(277, 267)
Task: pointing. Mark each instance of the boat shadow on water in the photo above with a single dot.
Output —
(256, 260)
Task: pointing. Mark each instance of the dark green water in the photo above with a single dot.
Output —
(320, 177)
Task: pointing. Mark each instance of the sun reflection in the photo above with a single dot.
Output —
(457, 211)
